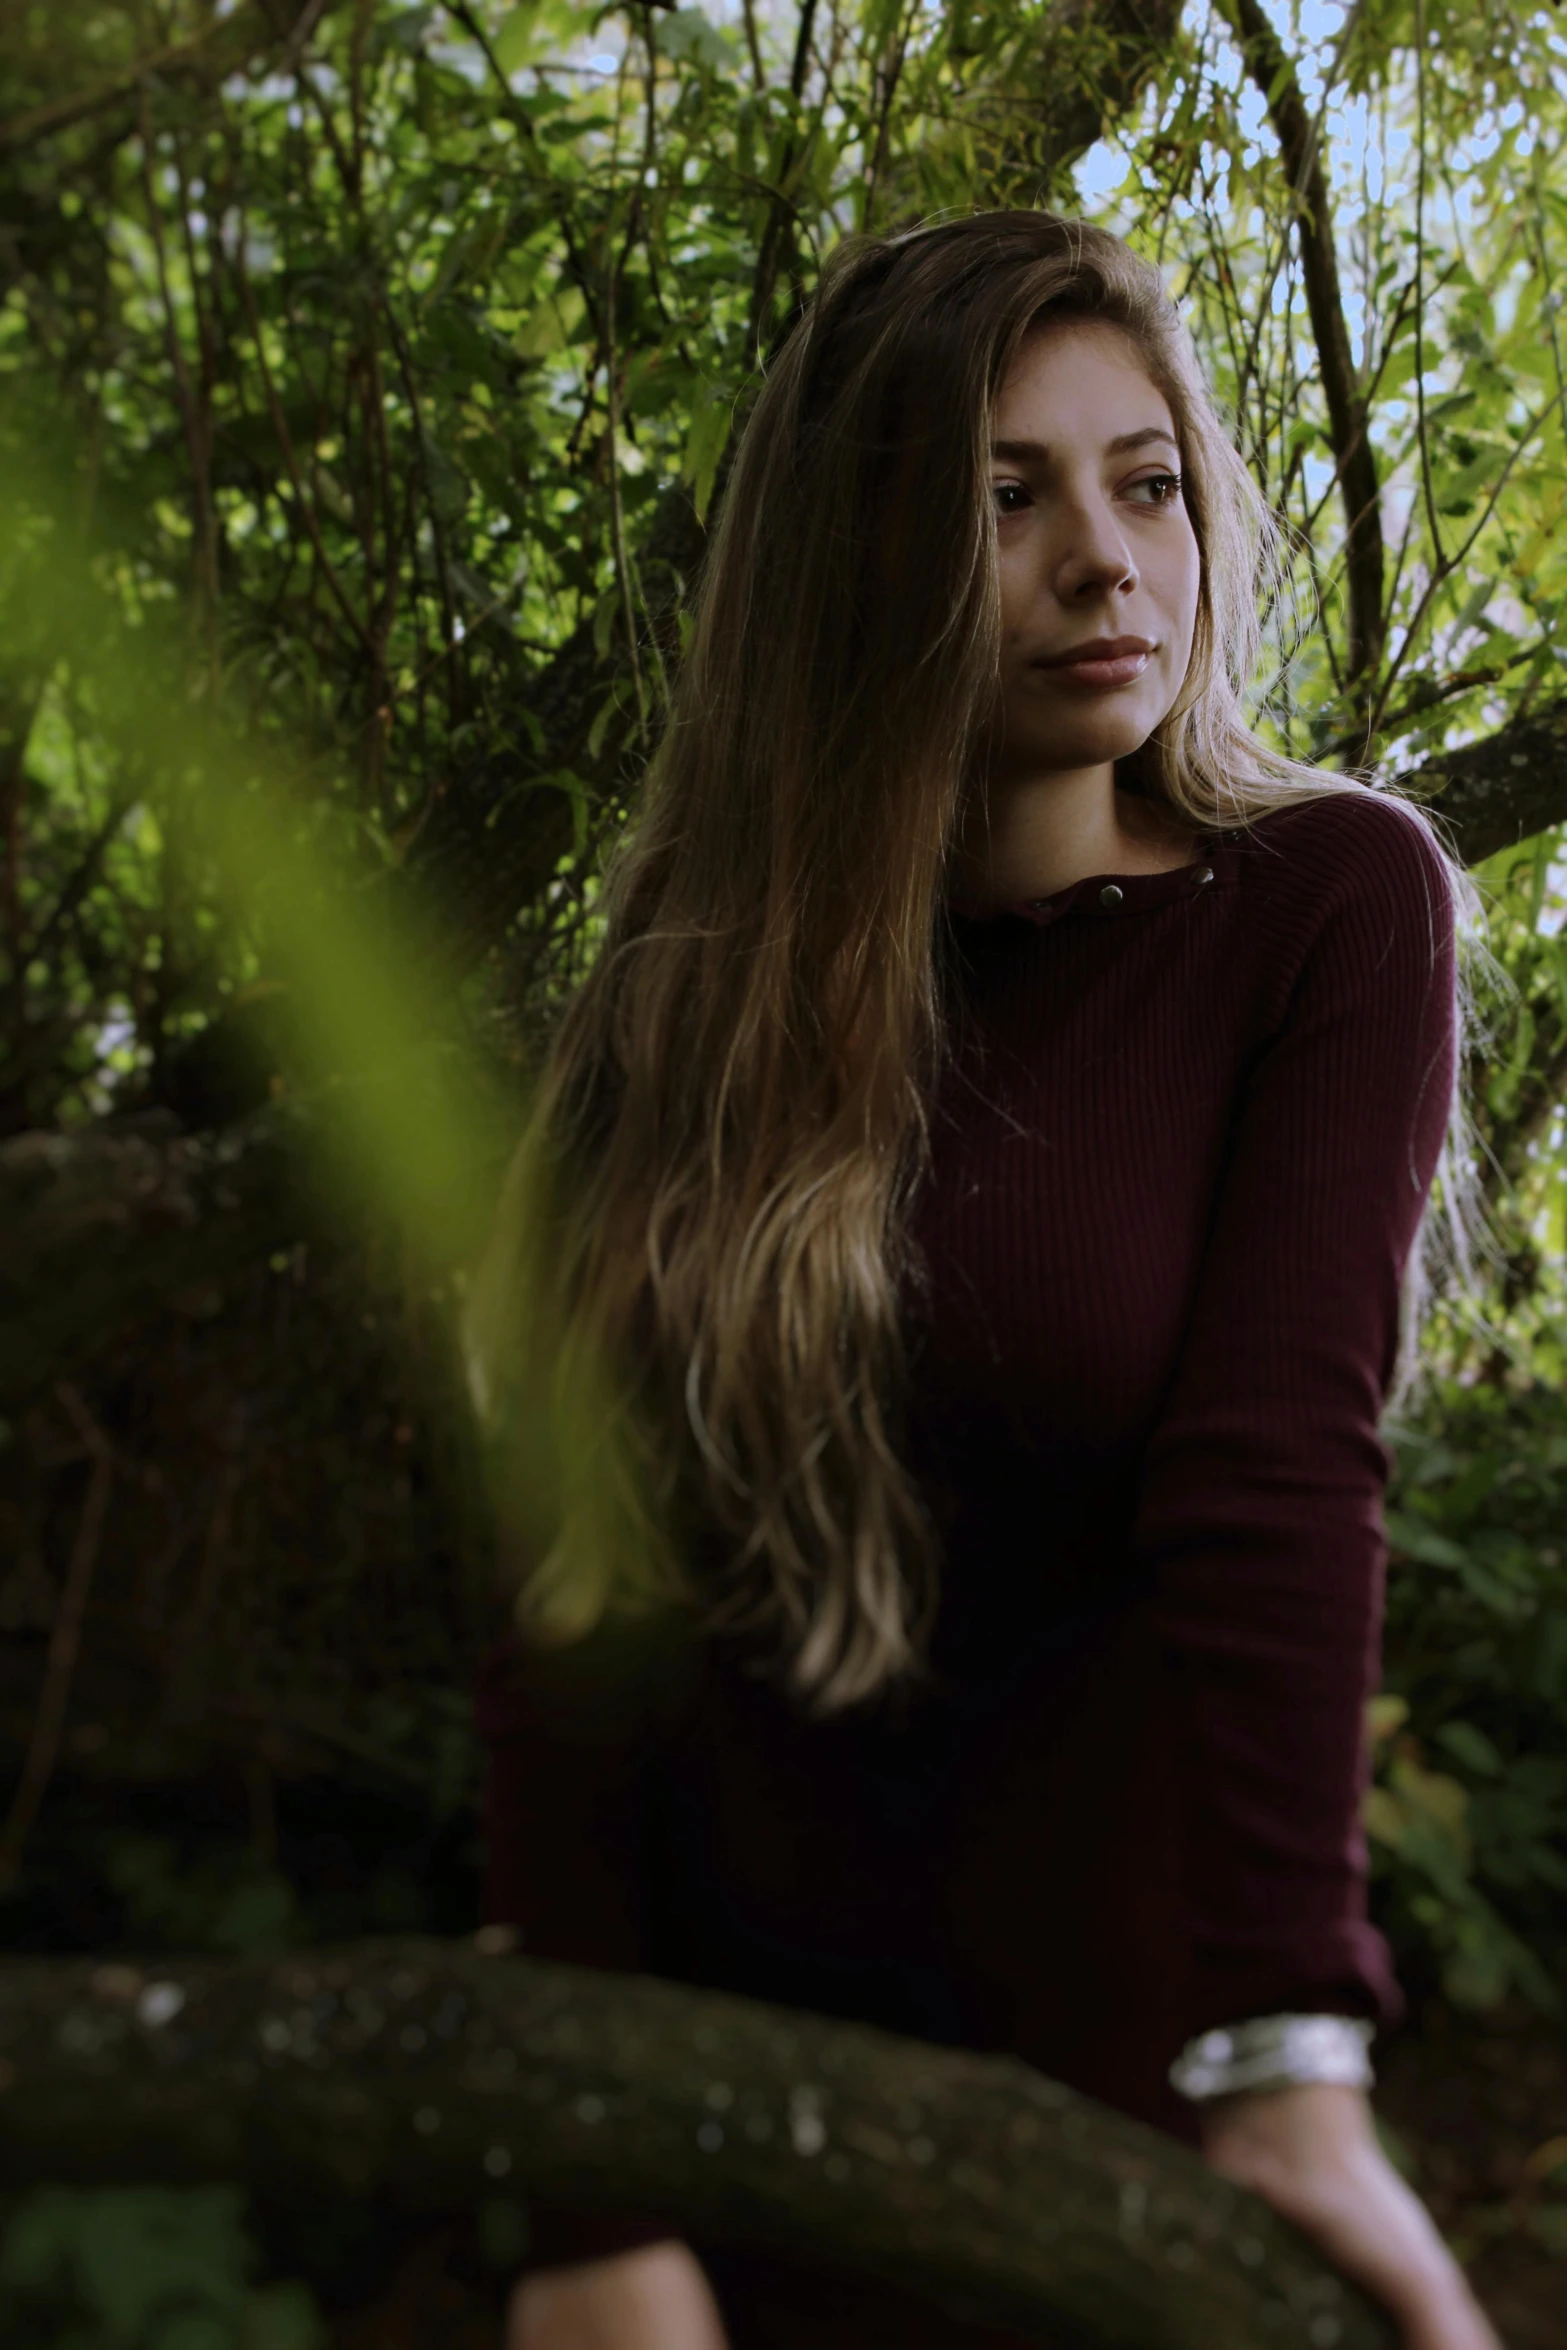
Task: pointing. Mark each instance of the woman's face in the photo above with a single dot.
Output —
(1099, 563)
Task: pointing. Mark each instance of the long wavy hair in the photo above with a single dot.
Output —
(689, 1321)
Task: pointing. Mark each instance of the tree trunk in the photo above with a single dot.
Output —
(431, 2072)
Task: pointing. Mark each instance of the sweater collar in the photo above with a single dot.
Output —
(1103, 897)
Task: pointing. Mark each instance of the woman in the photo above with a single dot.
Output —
(983, 1171)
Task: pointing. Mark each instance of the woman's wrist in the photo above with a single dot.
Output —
(1302, 2124)
(1274, 2052)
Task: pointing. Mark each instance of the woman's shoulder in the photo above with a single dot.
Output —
(1349, 845)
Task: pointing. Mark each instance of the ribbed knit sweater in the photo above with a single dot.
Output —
(1181, 1153)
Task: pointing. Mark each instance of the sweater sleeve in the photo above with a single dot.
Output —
(1260, 1512)
(561, 1842)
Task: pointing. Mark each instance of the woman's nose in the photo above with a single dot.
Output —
(1093, 557)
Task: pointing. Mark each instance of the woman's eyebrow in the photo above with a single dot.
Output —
(1029, 452)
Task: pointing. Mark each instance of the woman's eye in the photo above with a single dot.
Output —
(1163, 489)
(1010, 496)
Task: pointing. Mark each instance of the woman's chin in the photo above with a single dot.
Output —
(1065, 749)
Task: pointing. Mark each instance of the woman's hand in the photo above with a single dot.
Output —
(1312, 2153)
(655, 2298)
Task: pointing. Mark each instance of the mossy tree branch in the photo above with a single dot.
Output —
(429, 2072)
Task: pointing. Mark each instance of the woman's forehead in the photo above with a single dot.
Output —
(1085, 376)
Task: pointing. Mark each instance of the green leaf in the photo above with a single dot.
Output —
(711, 422)
(605, 614)
(691, 38)
(513, 40)
(1417, 1540)
(449, 486)
(404, 28)
(1470, 1747)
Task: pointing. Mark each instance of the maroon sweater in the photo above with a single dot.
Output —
(1181, 1154)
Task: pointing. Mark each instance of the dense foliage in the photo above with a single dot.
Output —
(370, 369)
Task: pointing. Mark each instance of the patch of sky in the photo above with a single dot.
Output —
(1110, 190)
(1100, 172)
(1354, 153)
(1252, 110)
(1504, 300)
(1375, 180)
(116, 1034)
(1355, 321)
(460, 57)
(1319, 475)
(1508, 612)
(1312, 34)
(1397, 503)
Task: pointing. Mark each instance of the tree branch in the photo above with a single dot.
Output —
(1502, 790)
(429, 2071)
(227, 46)
(1272, 71)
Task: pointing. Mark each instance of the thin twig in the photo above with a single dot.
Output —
(758, 73)
(1272, 71)
(421, 470)
(890, 75)
(617, 515)
(1427, 491)
(781, 208)
(195, 414)
(1441, 574)
(80, 880)
(285, 438)
(59, 114)
(215, 1545)
(43, 1747)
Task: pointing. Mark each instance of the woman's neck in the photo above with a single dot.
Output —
(1029, 838)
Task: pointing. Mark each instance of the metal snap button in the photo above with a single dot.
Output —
(1205, 873)
(1110, 895)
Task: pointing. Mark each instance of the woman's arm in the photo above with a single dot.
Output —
(1260, 1511)
(1260, 1517)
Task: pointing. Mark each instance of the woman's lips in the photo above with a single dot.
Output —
(1112, 662)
